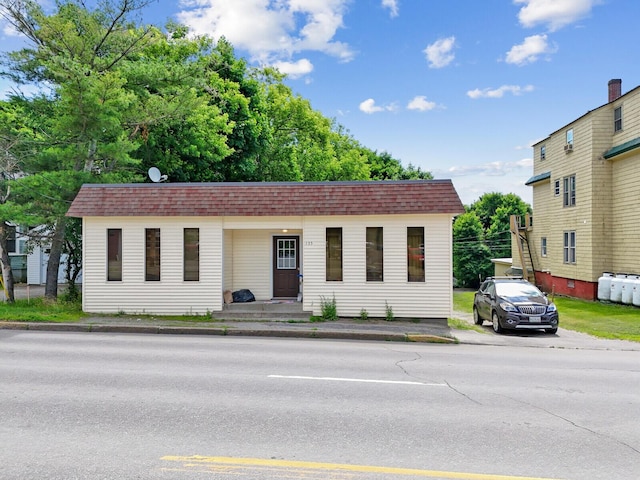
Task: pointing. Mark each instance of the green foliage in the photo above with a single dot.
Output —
(328, 309)
(364, 315)
(483, 233)
(113, 98)
(388, 315)
(41, 310)
(471, 257)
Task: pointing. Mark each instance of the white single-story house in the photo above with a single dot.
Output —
(175, 248)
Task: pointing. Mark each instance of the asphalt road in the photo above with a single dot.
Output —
(107, 406)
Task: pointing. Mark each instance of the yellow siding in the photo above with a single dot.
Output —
(625, 230)
(607, 196)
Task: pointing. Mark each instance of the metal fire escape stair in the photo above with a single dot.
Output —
(520, 226)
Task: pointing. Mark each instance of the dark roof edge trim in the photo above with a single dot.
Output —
(620, 149)
(538, 178)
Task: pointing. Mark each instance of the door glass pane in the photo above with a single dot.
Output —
(286, 254)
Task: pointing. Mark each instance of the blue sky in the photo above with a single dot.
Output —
(461, 88)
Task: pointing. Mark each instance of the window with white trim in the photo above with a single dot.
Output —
(543, 152)
(570, 136)
(543, 246)
(569, 194)
(569, 247)
(415, 254)
(152, 255)
(557, 188)
(374, 255)
(333, 254)
(191, 254)
(114, 254)
(617, 119)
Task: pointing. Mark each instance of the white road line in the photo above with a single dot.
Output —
(362, 380)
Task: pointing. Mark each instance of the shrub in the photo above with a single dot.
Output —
(329, 308)
(389, 317)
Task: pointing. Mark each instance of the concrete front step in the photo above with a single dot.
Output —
(272, 310)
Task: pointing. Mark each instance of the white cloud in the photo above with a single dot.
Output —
(295, 69)
(439, 53)
(530, 50)
(271, 31)
(553, 13)
(491, 169)
(369, 106)
(421, 103)
(392, 5)
(499, 92)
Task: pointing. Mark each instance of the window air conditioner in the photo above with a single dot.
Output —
(568, 147)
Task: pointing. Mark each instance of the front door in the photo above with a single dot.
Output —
(286, 266)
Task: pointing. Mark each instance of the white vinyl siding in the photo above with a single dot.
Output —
(237, 253)
(429, 299)
(171, 295)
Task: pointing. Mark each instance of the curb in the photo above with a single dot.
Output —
(229, 331)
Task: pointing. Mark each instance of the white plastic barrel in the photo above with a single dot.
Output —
(616, 287)
(636, 293)
(604, 286)
(627, 289)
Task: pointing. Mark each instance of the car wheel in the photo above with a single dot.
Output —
(551, 330)
(496, 323)
(477, 319)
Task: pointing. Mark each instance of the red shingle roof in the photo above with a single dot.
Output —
(267, 199)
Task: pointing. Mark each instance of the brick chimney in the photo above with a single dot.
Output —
(615, 89)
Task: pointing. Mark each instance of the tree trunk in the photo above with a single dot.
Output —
(7, 272)
(53, 265)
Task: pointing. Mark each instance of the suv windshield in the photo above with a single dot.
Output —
(508, 289)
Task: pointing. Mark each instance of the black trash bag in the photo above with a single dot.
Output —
(244, 295)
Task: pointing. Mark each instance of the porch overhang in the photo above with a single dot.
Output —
(623, 148)
(538, 178)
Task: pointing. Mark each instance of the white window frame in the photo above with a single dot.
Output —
(570, 136)
(543, 246)
(569, 246)
(569, 191)
(543, 152)
(557, 188)
(617, 119)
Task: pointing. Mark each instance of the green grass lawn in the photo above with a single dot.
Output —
(604, 320)
(45, 311)
(41, 310)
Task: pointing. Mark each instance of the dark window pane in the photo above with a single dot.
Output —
(334, 255)
(152, 251)
(11, 237)
(415, 254)
(374, 248)
(114, 254)
(191, 254)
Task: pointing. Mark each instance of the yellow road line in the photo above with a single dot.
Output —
(264, 462)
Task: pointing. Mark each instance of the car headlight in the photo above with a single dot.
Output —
(551, 308)
(507, 307)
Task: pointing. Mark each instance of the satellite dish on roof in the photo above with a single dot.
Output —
(155, 176)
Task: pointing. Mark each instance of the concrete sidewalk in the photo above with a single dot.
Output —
(347, 329)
